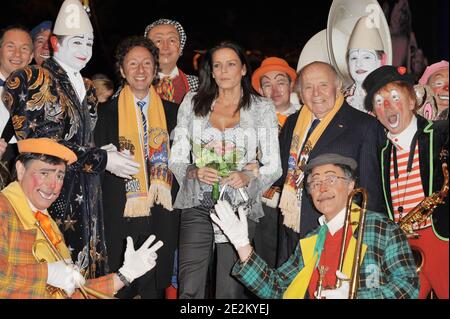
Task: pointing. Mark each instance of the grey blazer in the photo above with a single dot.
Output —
(259, 127)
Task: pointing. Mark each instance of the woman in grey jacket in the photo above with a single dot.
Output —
(222, 132)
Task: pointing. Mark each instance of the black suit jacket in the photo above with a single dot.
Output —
(430, 168)
(350, 133)
(163, 223)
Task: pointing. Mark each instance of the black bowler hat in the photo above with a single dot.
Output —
(330, 158)
(382, 76)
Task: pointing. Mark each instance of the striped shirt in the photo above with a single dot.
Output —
(406, 190)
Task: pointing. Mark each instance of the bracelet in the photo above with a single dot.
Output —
(122, 278)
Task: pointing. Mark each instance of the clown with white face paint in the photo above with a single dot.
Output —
(411, 163)
(75, 51)
(65, 109)
(365, 54)
(361, 62)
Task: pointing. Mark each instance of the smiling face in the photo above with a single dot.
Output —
(167, 40)
(438, 82)
(319, 88)
(41, 182)
(75, 51)
(361, 62)
(16, 51)
(393, 106)
(138, 69)
(330, 198)
(41, 47)
(227, 68)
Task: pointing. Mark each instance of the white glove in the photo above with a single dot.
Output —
(138, 262)
(109, 147)
(338, 293)
(64, 276)
(121, 165)
(77, 276)
(235, 228)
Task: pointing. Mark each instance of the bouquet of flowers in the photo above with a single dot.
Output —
(222, 156)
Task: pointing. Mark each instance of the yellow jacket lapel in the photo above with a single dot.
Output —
(298, 286)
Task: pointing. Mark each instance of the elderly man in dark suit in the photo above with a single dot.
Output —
(326, 123)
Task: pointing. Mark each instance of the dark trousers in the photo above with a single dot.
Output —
(266, 235)
(144, 287)
(196, 253)
(139, 228)
(287, 242)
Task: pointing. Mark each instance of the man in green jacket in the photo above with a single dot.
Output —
(387, 269)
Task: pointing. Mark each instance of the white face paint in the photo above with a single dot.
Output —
(75, 51)
(361, 62)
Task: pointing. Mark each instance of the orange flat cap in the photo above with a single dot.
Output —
(46, 146)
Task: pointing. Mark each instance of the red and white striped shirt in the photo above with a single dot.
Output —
(406, 190)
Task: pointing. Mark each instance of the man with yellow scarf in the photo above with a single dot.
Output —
(28, 265)
(137, 122)
(387, 264)
(325, 123)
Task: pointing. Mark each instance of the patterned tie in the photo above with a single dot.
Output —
(46, 225)
(141, 105)
(166, 89)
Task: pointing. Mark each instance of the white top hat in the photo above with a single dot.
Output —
(72, 19)
(314, 50)
(345, 16)
(365, 35)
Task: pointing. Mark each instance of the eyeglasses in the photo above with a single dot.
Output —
(328, 181)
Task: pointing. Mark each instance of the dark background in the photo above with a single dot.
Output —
(265, 28)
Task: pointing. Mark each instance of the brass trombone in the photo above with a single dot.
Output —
(354, 278)
(85, 291)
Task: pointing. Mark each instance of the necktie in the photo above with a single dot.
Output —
(166, 89)
(313, 126)
(2, 83)
(320, 242)
(46, 225)
(311, 129)
(141, 105)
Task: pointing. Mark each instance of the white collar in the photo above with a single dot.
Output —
(69, 70)
(403, 139)
(34, 209)
(145, 99)
(290, 110)
(336, 223)
(76, 79)
(171, 75)
(2, 76)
